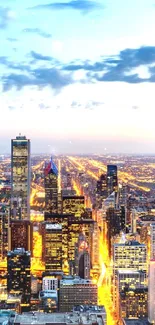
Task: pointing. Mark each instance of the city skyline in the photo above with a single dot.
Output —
(78, 76)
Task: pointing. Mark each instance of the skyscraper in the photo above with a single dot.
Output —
(19, 277)
(20, 178)
(52, 246)
(112, 181)
(20, 235)
(4, 219)
(101, 187)
(51, 187)
(132, 256)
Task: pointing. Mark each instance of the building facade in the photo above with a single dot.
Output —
(20, 178)
(19, 276)
(51, 187)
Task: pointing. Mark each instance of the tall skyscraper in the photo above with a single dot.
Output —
(82, 257)
(20, 178)
(20, 235)
(19, 277)
(112, 180)
(4, 220)
(51, 187)
(52, 246)
(101, 187)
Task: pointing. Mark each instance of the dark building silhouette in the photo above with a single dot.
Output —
(51, 187)
(19, 276)
(21, 235)
(112, 180)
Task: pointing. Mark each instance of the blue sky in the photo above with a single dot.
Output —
(78, 75)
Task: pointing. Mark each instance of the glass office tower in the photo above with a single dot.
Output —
(20, 178)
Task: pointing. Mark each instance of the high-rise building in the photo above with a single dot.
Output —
(101, 187)
(82, 257)
(130, 279)
(20, 178)
(113, 222)
(152, 241)
(19, 277)
(134, 303)
(151, 292)
(76, 291)
(21, 235)
(112, 180)
(51, 187)
(52, 246)
(73, 205)
(131, 255)
(75, 227)
(62, 220)
(4, 220)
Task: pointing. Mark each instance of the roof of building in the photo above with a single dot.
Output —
(136, 321)
(74, 281)
(67, 318)
(129, 243)
(127, 271)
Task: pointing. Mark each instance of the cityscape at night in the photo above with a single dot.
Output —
(76, 237)
(77, 162)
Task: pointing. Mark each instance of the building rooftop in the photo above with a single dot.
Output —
(76, 280)
(62, 318)
(19, 251)
(127, 271)
(136, 322)
(130, 243)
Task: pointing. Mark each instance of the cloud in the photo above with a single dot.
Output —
(40, 57)
(37, 31)
(120, 68)
(15, 66)
(40, 77)
(12, 39)
(6, 15)
(89, 105)
(135, 107)
(80, 5)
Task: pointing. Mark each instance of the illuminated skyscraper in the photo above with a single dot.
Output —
(75, 227)
(20, 235)
(82, 258)
(52, 246)
(132, 255)
(101, 187)
(62, 220)
(19, 277)
(51, 187)
(73, 205)
(4, 219)
(20, 178)
(112, 181)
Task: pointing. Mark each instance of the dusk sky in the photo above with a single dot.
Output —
(78, 76)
